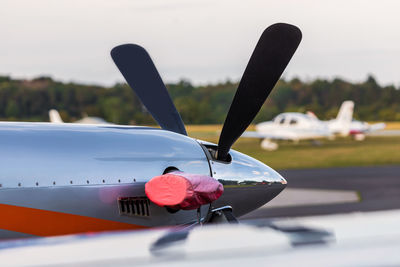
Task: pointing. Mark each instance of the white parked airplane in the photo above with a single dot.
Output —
(295, 126)
(55, 117)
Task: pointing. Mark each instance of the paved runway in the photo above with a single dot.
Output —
(378, 188)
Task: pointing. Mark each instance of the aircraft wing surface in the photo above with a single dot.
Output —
(358, 239)
(254, 134)
(377, 127)
(288, 134)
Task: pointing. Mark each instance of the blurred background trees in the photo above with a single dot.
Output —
(30, 100)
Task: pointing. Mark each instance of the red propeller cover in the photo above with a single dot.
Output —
(183, 190)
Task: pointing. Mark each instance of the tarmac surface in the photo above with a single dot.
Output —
(385, 133)
(328, 191)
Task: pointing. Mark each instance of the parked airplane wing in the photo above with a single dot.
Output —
(336, 240)
(254, 134)
(291, 134)
(377, 127)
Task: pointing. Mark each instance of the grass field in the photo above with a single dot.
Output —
(393, 125)
(341, 152)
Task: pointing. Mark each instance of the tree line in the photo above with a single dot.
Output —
(30, 100)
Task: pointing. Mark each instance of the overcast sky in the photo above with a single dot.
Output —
(201, 40)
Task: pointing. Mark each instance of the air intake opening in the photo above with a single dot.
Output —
(134, 206)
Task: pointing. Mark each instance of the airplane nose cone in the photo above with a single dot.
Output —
(248, 183)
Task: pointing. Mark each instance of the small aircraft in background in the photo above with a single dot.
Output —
(296, 126)
(55, 117)
(291, 126)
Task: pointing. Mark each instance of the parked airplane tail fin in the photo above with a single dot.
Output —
(344, 117)
(55, 116)
(346, 111)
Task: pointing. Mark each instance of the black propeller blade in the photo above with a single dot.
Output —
(142, 76)
(273, 52)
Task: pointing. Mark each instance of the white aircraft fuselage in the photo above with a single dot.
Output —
(293, 126)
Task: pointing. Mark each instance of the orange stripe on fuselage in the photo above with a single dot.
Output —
(48, 223)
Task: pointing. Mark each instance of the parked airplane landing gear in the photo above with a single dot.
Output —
(269, 145)
(359, 137)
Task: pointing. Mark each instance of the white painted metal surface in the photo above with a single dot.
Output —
(365, 239)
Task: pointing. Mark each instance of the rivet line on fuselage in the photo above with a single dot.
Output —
(70, 182)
